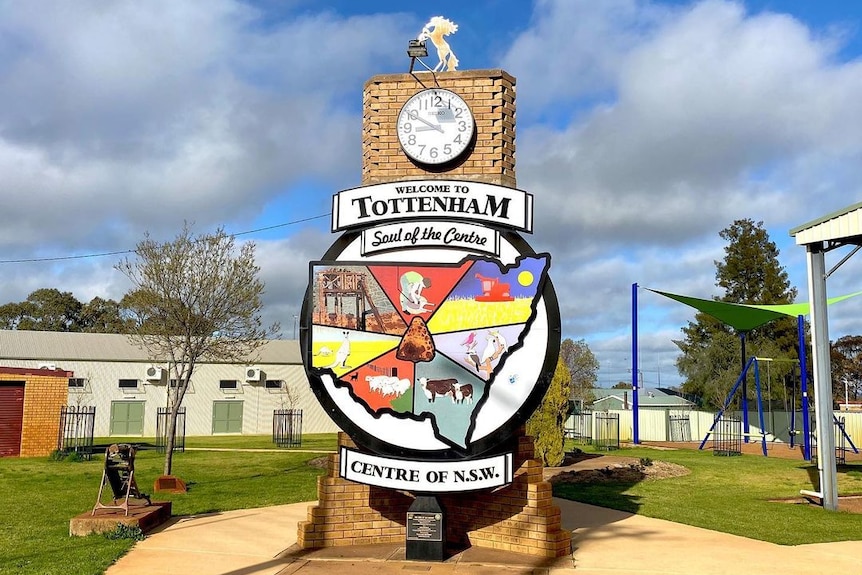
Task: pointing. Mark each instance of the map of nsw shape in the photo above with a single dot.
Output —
(477, 312)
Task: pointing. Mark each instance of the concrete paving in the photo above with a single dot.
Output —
(262, 542)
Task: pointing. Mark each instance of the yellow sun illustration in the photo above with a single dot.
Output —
(525, 278)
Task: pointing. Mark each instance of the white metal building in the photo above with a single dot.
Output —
(127, 388)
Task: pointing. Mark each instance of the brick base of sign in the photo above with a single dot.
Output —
(520, 517)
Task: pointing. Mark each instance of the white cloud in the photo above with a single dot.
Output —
(644, 128)
(136, 116)
(713, 110)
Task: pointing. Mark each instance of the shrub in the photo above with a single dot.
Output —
(546, 423)
(123, 531)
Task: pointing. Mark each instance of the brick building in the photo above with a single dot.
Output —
(30, 402)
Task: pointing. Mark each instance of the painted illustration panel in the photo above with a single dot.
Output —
(424, 343)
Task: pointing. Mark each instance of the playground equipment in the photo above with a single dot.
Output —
(745, 434)
(789, 401)
(119, 472)
(729, 399)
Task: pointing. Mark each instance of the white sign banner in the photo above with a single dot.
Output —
(427, 476)
(433, 200)
(408, 235)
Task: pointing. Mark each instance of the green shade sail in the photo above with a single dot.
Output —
(745, 317)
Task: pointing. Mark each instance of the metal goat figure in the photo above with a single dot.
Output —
(434, 30)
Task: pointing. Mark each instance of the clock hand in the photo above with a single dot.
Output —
(416, 116)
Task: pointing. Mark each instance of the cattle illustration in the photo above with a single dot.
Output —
(463, 393)
(435, 387)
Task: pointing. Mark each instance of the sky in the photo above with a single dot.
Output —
(644, 128)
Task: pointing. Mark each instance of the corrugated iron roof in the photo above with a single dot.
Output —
(55, 346)
(646, 397)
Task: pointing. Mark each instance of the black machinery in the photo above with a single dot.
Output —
(119, 472)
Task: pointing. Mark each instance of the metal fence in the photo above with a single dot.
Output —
(840, 426)
(76, 430)
(607, 431)
(287, 427)
(581, 429)
(727, 436)
(162, 414)
(679, 427)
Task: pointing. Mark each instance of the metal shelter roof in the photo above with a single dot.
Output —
(843, 227)
(59, 346)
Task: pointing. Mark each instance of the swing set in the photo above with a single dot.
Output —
(743, 318)
(753, 364)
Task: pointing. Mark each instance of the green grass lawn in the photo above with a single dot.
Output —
(39, 496)
(730, 494)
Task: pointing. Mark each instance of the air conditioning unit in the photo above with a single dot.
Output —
(155, 373)
(253, 374)
(50, 366)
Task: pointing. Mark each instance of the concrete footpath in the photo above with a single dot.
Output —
(261, 542)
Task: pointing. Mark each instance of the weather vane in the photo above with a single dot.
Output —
(435, 30)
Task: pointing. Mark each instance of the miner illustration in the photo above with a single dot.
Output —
(412, 300)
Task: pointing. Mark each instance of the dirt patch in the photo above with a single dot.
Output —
(848, 503)
(321, 462)
(621, 470)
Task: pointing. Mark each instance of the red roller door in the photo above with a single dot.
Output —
(11, 418)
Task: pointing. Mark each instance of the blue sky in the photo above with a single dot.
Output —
(644, 128)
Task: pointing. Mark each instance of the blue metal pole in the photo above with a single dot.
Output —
(803, 384)
(760, 405)
(726, 402)
(745, 426)
(635, 426)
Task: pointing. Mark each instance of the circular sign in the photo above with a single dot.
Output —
(435, 126)
(431, 353)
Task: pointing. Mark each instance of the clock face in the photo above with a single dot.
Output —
(435, 126)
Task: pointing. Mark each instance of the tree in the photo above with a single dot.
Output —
(546, 423)
(846, 360)
(103, 316)
(622, 385)
(750, 273)
(197, 298)
(49, 309)
(583, 369)
(11, 315)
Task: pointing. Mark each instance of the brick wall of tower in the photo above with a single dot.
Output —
(491, 97)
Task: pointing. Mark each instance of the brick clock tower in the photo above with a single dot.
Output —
(431, 330)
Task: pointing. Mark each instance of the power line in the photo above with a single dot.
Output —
(122, 252)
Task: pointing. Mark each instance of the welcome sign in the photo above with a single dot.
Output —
(430, 332)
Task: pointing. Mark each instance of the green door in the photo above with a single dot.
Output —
(227, 417)
(127, 418)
